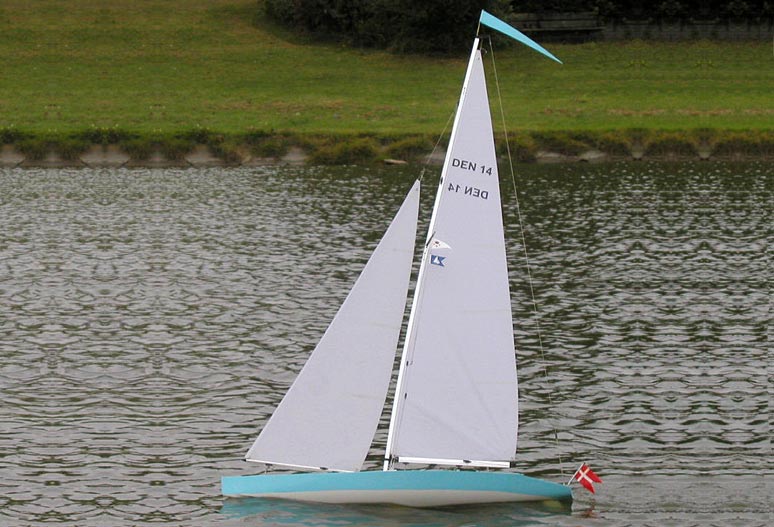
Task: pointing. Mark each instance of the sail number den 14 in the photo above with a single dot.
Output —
(468, 190)
(470, 165)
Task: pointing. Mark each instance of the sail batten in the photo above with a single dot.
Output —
(328, 417)
(457, 397)
(301, 467)
(455, 462)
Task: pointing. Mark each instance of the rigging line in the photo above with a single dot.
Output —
(524, 246)
(440, 137)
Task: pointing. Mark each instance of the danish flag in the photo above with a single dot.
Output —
(586, 476)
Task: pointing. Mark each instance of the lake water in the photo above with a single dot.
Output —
(151, 319)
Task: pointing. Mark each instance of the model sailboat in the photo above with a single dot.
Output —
(456, 401)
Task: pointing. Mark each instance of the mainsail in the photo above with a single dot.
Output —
(328, 417)
(456, 399)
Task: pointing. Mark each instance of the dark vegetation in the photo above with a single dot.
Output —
(658, 11)
(398, 25)
(444, 25)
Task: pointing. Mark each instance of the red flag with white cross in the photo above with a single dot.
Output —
(586, 477)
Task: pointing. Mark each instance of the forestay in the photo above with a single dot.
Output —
(456, 399)
(328, 417)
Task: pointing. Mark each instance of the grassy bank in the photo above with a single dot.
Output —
(157, 72)
(69, 148)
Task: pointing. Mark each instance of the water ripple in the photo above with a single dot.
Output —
(152, 319)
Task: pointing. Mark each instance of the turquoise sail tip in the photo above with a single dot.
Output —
(495, 23)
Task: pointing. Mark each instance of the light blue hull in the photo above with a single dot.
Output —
(413, 488)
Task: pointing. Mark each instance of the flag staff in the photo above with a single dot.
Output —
(572, 478)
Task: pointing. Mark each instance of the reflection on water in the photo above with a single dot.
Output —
(150, 320)
(282, 512)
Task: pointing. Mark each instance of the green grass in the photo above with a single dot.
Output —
(155, 66)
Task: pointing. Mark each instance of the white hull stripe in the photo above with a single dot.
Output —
(408, 498)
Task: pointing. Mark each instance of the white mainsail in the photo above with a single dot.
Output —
(456, 399)
(328, 417)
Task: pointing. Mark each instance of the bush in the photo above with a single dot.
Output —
(221, 146)
(661, 11)
(561, 142)
(409, 148)
(356, 151)
(613, 143)
(523, 148)
(176, 148)
(675, 143)
(71, 148)
(34, 148)
(11, 135)
(402, 25)
(199, 135)
(138, 148)
(274, 146)
(227, 150)
(103, 136)
(745, 143)
(67, 147)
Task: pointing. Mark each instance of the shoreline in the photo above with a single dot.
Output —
(202, 149)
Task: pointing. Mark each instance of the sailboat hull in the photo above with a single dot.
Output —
(413, 488)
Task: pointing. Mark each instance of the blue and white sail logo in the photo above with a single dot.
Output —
(434, 258)
(437, 260)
